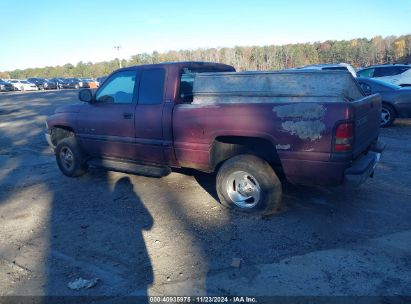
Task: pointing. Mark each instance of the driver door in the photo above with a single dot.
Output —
(106, 127)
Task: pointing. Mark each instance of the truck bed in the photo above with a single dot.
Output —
(299, 120)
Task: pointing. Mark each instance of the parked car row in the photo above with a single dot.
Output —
(37, 83)
(22, 85)
(391, 81)
(330, 67)
(43, 84)
(396, 101)
(397, 74)
(5, 86)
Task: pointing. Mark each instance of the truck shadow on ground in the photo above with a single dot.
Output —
(98, 234)
(96, 230)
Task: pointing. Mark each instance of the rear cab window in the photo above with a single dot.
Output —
(185, 92)
(186, 86)
(335, 69)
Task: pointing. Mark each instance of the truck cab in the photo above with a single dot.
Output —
(130, 116)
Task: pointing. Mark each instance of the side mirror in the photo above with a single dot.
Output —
(85, 95)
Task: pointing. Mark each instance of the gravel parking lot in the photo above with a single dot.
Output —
(170, 236)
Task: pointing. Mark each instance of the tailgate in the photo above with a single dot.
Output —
(367, 117)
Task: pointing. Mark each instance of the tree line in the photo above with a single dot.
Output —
(359, 52)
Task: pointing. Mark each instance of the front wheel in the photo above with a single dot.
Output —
(247, 183)
(388, 115)
(69, 157)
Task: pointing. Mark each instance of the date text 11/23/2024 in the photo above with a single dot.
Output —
(202, 299)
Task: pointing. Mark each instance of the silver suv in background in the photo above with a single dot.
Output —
(330, 66)
(399, 74)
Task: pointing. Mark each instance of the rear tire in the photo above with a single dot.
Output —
(248, 184)
(388, 115)
(69, 157)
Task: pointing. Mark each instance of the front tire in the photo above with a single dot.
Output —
(248, 184)
(388, 115)
(69, 157)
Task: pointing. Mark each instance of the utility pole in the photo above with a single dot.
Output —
(118, 47)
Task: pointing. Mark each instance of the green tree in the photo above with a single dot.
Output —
(358, 52)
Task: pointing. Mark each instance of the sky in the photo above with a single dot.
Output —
(48, 33)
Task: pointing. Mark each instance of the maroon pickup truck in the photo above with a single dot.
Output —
(312, 127)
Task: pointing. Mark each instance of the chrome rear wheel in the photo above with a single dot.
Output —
(249, 184)
(243, 189)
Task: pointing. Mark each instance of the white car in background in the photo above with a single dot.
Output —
(330, 66)
(398, 74)
(23, 85)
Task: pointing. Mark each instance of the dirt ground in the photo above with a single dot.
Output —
(170, 236)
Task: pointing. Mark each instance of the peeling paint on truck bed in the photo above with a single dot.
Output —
(302, 119)
(300, 110)
(305, 129)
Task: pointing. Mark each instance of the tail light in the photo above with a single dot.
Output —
(343, 137)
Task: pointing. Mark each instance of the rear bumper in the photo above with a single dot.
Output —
(363, 167)
(332, 173)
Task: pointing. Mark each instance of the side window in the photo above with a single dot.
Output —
(386, 71)
(403, 69)
(151, 87)
(118, 88)
(366, 73)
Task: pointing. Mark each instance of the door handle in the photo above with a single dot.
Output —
(127, 115)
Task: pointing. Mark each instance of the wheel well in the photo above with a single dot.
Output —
(390, 105)
(57, 133)
(225, 147)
